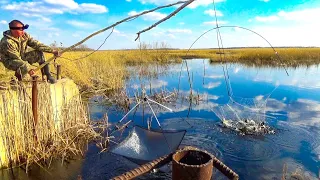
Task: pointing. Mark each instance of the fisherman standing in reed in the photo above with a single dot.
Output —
(14, 55)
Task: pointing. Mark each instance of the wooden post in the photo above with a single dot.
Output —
(35, 104)
(58, 71)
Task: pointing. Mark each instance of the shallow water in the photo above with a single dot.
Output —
(293, 111)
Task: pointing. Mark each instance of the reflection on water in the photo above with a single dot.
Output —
(294, 107)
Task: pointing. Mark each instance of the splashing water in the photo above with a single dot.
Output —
(248, 127)
(245, 115)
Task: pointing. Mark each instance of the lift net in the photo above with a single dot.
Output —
(144, 145)
(245, 115)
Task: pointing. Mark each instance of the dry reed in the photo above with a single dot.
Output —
(107, 69)
(57, 134)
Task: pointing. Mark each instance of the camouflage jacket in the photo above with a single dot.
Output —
(12, 51)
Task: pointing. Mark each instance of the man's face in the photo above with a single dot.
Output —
(17, 31)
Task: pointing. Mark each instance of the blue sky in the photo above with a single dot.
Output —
(282, 22)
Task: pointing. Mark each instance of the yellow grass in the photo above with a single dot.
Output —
(52, 137)
(108, 68)
(258, 56)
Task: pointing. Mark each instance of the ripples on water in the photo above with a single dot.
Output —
(257, 157)
(295, 106)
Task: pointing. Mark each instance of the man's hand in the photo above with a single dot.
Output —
(32, 72)
(56, 53)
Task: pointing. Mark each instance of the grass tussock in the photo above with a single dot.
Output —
(56, 135)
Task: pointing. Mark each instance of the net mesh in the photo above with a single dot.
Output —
(245, 115)
(143, 145)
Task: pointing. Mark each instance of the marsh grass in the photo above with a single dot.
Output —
(54, 137)
(107, 69)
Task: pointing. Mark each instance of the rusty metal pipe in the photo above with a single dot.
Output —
(224, 169)
(145, 168)
(35, 104)
(166, 159)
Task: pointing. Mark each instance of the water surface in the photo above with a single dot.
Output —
(293, 110)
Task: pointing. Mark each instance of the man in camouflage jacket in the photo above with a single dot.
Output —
(14, 55)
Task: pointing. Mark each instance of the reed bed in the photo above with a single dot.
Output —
(107, 69)
(56, 135)
(289, 56)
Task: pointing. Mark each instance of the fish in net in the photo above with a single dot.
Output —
(245, 115)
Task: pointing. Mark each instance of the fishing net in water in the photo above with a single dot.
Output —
(143, 145)
(245, 115)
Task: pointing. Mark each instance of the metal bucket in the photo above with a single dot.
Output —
(192, 165)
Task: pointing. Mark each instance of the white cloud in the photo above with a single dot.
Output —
(91, 8)
(3, 1)
(305, 15)
(155, 84)
(80, 24)
(181, 23)
(214, 22)
(211, 13)
(192, 5)
(119, 33)
(128, 0)
(3, 22)
(152, 16)
(259, 98)
(186, 31)
(300, 112)
(37, 15)
(214, 76)
(264, 0)
(205, 106)
(75, 35)
(203, 3)
(116, 31)
(55, 7)
(40, 27)
(267, 19)
(236, 70)
(300, 78)
(309, 15)
(212, 85)
(64, 3)
(211, 97)
(171, 36)
(51, 35)
(311, 105)
(33, 7)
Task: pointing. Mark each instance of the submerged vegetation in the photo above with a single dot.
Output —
(107, 69)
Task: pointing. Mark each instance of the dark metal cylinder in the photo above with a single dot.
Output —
(192, 165)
